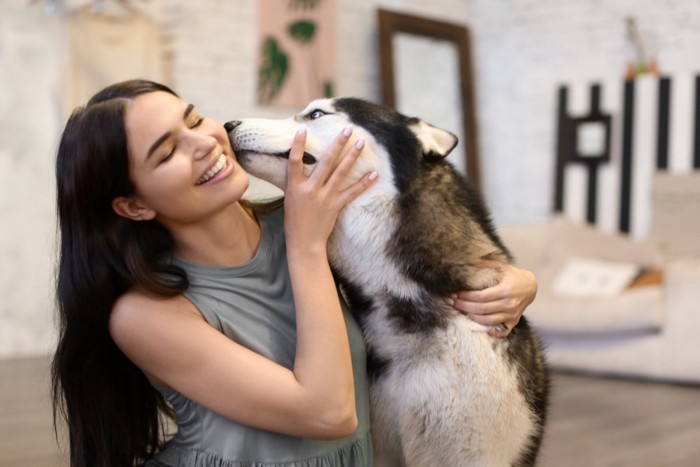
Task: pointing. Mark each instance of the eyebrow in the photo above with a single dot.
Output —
(166, 135)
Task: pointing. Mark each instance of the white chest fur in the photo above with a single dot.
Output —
(358, 248)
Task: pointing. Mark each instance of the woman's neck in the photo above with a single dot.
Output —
(229, 238)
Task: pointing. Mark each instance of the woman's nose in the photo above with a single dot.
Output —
(204, 145)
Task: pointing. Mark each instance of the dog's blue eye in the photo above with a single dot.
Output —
(316, 114)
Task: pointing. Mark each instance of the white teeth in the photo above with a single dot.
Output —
(220, 164)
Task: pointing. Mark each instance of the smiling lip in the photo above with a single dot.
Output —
(221, 168)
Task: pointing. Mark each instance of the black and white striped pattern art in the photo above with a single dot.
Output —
(655, 126)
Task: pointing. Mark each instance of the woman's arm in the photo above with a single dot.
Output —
(312, 204)
(170, 341)
(503, 303)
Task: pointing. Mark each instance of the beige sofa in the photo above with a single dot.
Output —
(649, 331)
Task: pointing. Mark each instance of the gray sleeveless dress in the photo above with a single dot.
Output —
(252, 304)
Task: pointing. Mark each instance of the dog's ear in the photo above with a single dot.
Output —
(435, 142)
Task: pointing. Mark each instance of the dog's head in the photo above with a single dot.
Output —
(395, 144)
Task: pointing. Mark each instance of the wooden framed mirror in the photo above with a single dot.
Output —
(426, 71)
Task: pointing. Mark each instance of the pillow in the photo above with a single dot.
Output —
(544, 248)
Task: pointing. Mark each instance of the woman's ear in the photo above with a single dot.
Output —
(132, 208)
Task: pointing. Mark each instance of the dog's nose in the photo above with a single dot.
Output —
(229, 126)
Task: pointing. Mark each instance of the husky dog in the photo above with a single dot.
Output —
(443, 391)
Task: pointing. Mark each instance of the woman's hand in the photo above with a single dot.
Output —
(501, 305)
(312, 203)
(323, 365)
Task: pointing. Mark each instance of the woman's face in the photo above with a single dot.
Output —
(181, 163)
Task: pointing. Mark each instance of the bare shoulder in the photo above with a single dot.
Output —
(144, 324)
(138, 307)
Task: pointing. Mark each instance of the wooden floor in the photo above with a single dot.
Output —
(593, 422)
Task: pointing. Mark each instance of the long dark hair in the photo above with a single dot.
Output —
(114, 415)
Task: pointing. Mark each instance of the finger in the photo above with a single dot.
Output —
(357, 188)
(490, 294)
(347, 160)
(295, 166)
(467, 307)
(481, 307)
(475, 296)
(330, 159)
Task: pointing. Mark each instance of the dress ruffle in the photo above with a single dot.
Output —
(355, 454)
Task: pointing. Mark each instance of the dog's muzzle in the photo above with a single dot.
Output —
(231, 125)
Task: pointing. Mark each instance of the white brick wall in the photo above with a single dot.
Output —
(522, 50)
(525, 48)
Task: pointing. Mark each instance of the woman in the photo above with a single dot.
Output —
(176, 296)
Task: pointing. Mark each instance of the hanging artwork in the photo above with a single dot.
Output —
(107, 46)
(296, 51)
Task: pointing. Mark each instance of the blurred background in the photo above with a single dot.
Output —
(534, 66)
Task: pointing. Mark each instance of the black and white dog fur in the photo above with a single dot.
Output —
(443, 391)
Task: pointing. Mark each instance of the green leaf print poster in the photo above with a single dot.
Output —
(296, 51)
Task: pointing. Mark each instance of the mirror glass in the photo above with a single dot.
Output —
(426, 72)
(422, 92)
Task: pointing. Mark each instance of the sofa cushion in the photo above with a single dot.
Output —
(639, 310)
(544, 248)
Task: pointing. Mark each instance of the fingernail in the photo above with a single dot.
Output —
(373, 175)
(301, 130)
(360, 143)
(347, 131)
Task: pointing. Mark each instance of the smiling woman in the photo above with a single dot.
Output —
(174, 294)
(172, 150)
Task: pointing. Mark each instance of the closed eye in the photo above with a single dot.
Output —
(168, 156)
(197, 123)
